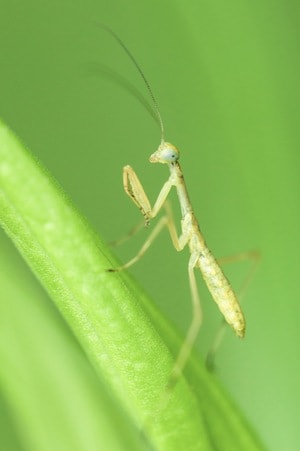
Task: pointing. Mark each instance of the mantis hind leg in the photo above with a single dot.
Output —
(194, 328)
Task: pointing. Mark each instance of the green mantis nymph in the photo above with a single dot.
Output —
(190, 235)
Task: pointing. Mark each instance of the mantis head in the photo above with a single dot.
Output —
(166, 153)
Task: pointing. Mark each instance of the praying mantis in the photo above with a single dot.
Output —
(200, 256)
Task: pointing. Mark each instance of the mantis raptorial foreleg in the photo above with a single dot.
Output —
(135, 191)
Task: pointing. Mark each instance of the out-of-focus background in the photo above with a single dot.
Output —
(226, 76)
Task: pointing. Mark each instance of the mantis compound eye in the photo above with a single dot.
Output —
(170, 154)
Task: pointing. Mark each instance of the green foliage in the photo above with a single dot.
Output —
(124, 338)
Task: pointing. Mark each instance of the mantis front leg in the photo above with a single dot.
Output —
(135, 191)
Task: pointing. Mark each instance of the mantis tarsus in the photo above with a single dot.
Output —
(190, 236)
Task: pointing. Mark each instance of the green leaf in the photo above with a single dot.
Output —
(127, 341)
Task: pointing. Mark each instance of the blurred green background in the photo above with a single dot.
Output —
(226, 75)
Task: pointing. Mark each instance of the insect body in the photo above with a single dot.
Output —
(200, 257)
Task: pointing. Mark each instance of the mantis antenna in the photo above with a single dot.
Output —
(140, 71)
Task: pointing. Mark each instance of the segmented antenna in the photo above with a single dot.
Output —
(130, 55)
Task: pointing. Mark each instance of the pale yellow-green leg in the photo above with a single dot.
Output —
(164, 221)
(128, 235)
(156, 230)
(135, 191)
(194, 328)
